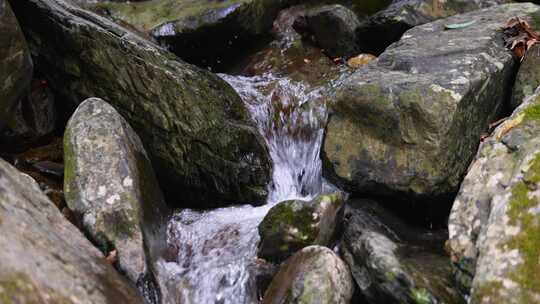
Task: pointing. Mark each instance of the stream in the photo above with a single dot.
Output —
(215, 252)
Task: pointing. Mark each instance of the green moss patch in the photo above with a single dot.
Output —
(527, 275)
(532, 112)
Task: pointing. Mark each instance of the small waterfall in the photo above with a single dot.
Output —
(214, 252)
(291, 119)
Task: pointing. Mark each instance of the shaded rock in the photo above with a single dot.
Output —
(495, 221)
(393, 262)
(387, 26)
(313, 275)
(528, 77)
(333, 28)
(368, 7)
(45, 165)
(45, 259)
(195, 127)
(34, 117)
(411, 121)
(110, 184)
(15, 65)
(207, 33)
(293, 225)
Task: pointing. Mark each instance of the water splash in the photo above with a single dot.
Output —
(214, 252)
(291, 118)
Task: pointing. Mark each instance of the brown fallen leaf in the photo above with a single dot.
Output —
(112, 257)
(360, 60)
(519, 36)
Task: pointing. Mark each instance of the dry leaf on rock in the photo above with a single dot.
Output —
(519, 36)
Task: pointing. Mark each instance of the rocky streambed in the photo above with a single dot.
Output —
(269, 151)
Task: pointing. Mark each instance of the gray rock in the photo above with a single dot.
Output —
(293, 225)
(194, 126)
(314, 275)
(34, 116)
(387, 26)
(393, 262)
(411, 121)
(201, 32)
(110, 184)
(44, 258)
(15, 65)
(333, 28)
(528, 77)
(494, 225)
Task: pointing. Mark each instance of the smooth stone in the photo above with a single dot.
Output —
(44, 258)
(110, 184)
(314, 275)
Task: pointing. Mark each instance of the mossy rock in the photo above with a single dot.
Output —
(292, 225)
(209, 153)
(495, 241)
(107, 178)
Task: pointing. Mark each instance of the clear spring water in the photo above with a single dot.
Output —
(216, 250)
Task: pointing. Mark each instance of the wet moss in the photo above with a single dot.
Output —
(69, 169)
(420, 296)
(285, 217)
(532, 112)
(527, 241)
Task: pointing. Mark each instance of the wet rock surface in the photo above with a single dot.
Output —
(411, 121)
(15, 65)
(34, 117)
(110, 184)
(332, 28)
(315, 274)
(45, 259)
(293, 225)
(528, 77)
(207, 33)
(403, 128)
(494, 223)
(387, 26)
(393, 262)
(193, 124)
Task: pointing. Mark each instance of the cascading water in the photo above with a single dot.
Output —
(215, 251)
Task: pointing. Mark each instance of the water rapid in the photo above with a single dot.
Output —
(214, 252)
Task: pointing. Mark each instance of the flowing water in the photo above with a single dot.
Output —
(215, 251)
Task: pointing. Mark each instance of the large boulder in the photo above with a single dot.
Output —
(207, 33)
(110, 184)
(387, 26)
(292, 225)
(15, 64)
(495, 221)
(411, 121)
(194, 126)
(393, 262)
(313, 275)
(44, 258)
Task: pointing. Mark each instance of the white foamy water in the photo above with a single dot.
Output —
(216, 250)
